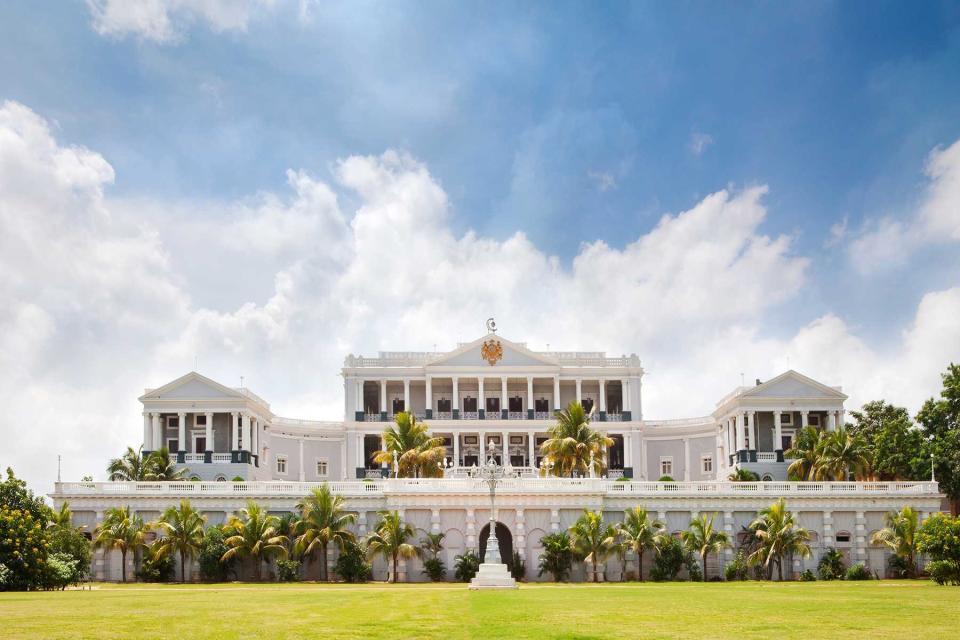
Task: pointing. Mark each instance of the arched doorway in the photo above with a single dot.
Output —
(504, 540)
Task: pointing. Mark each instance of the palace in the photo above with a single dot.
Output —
(495, 398)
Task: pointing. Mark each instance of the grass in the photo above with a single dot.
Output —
(887, 609)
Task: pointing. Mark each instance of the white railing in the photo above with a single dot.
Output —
(371, 417)
(543, 415)
(527, 482)
(222, 457)
(193, 457)
(765, 456)
(470, 415)
(444, 415)
(517, 415)
(491, 415)
(614, 417)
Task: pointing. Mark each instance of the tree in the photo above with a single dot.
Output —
(68, 540)
(639, 532)
(702, 539)
(897, 448)
(573, 445)
(939, 538)
(161, 467)
(743, 475)
(183, 533)
(409, 444)
(130, 467)
(254, 535)
(23, 536)
(900, 537)
(591, 539)
(212, 550)
(62, 518)
(322, 521)
(352, 565)
(805, 454)
(940, 421)
(465, 566)
(557, 555)
(391, 540)
(430, 547)
(122, 531)
(842, 454)
(779, 536)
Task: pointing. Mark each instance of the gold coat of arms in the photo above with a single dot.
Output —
(491, 351)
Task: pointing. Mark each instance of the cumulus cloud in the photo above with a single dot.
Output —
(890, 241)
(102, 297)
(164, 20)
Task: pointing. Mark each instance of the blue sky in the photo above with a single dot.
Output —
(569, 122)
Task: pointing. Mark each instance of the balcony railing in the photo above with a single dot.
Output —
(491, 415)
(603, 486)
(470, 415)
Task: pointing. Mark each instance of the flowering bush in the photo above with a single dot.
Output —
(23, 548)
(939, 538)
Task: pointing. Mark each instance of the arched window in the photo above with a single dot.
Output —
(221, 478)
(767, 478)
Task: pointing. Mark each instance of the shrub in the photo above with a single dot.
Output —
(694, 571)
(808, 576)
(518, 568)
(622, 479)
(4, 575)
(434, 569)
(939, 538)
(238, 479)
(465, 566)
(71, 542)
(352, 565)
(859, 572)
(288, 570)
(23, 548)
(831, 566)
(665, 479)
(557, 556)
(211, 551)
(737, 569)
(669, 560)
(60, 570)
(898, 567)
(156, 566)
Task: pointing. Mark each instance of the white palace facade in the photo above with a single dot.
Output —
(496, 398)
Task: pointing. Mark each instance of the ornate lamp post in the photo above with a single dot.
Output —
(491, 472)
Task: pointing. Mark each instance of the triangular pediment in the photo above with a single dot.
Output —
(192, 386)
(793, 385)
(503, 352)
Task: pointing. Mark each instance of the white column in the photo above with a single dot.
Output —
(245, 425)
(625, 390)
(147, 434)
(483, 448)
(627, 450)
(455, 404)
(741, 432)
(531, 451)
(158, 434)
(804, 418)
(255, 435)
(579, 391)
(234, 432)
(429, 394)
(556, 393)
(406, 396)
(530, 403)
(481, 401)
(182, 431)
(754, 431)
(603, 395)
(504, 440)
(209, 433)
(686, 460)
(358, 405)
(359, 456)
(777, 431)
(504, 401)
(383, 397)
(303, 475)
(456, 448)
(831, 421)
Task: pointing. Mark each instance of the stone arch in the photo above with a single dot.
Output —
(504, 540)
(533, 551)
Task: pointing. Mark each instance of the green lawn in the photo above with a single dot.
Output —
(887, 609)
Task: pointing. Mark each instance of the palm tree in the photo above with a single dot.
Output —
(778, 536)
(573, 445)
(640, 533)
(556, 556)
(322, 521)
(130, 467)
(63, 518)
(805, 453)
(183, 529)
(254, 536)
(287, 529)
(900, 536)
(391, 540)
(591, 539)
(409, 444)
(160, 466)
(842, 453)
(702, 539)
(123, 531)
(432, 544)
(743, 475)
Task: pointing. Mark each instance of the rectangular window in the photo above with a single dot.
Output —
(706, 464)
(469, 405)
(666, 466)
(786, 419)
(542, 405)
(282, 465)
(200, 420)
(493, 405)
(814, 420)
(516, 404)
(322, 469)
(173, 445)
(397, 406)
(443, 405)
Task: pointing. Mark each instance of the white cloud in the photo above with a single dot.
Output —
(890, 241)
(699, 142)
(104, 298)
(603, 180)
(164, 20)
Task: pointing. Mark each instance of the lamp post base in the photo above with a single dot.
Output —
(493, 576)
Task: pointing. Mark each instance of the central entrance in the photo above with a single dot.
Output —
(505, 540)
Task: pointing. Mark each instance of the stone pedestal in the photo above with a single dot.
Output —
(493, 576)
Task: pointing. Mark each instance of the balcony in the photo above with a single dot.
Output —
(527, 415)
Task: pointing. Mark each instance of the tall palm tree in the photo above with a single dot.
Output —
(573, 445)
(639, 532)
(900, 536)
(160, 466)
(592, 540)
(702, 539)
(254, 536)
(123, 531)
(391, 540)
(130, 467)
(322, 521)
(183, 533)
(287, 529)
(409, 444)
(432, 544)
(63, 518)
(778, 536)
(843, 453)
(805, 453)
